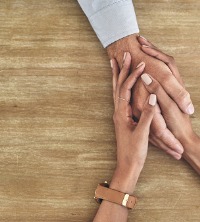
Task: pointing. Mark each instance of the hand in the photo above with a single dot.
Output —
(132, 138)
(160, 134)
(178, 122)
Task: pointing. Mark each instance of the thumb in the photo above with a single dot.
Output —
(147, 114)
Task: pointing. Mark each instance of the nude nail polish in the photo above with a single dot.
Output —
(152, 100)
(124, 56)
(190, 109)
(142, 37)
(145, 46)
(146, 79)
(139, 65)
(177, 156)
(111, 63)
(179, 149)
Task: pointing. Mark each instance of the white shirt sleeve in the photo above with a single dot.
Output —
(111, 19)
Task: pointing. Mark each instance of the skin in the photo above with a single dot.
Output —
(160, 135)
(132, 140)
(178, 122)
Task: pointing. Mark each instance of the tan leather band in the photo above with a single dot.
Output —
(115, 196)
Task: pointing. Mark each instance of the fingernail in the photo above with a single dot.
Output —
(139, 65)
(179, 149)
(145, 46)
(124, 56)
(152, 100)
(146, 79)
(111, 63)
(142, 37)
(190, 109)
(177, 156)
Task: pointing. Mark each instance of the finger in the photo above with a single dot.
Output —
(125, 69)
(152, 50)
(162, 133)
(125, 89)
(143, 41)
(144, 123)
(115, 71)
(160, 145)
(168, 60)
(179, 94)
(153, 86)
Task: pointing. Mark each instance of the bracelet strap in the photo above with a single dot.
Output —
(114, 196)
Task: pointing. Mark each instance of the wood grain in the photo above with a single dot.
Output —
(57, 137)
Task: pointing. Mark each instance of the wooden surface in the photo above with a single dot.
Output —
(57, 138)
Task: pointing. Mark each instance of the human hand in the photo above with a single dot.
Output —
(132, 138)
(178, 122)
(160, 134)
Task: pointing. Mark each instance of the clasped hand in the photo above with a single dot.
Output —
(132, 137)
(163, 69)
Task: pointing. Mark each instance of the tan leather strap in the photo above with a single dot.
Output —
(115, 196)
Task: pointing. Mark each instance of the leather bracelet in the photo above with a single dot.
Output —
(103, 192)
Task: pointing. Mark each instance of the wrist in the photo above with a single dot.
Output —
(124, 179)
(126, 44)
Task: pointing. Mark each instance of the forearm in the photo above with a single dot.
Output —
(192, 152)
(124, 181)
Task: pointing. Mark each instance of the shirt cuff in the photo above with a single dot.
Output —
(114, 22)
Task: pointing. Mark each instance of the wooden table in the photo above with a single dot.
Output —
(57, 137)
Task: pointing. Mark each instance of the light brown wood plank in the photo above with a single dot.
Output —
(57, 136)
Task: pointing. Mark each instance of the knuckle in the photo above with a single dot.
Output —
(155, 87)
(159, 134)
(121, 120)
(167, 78)
(117, 118)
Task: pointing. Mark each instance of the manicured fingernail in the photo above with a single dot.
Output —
(152, 100)
(179, 149)
(139, 65)
(145, 46)
(177, 156)
(111, 63)
(190, 109)
(174, 154)
(124, 56)
(146, 79)
(142, 37)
